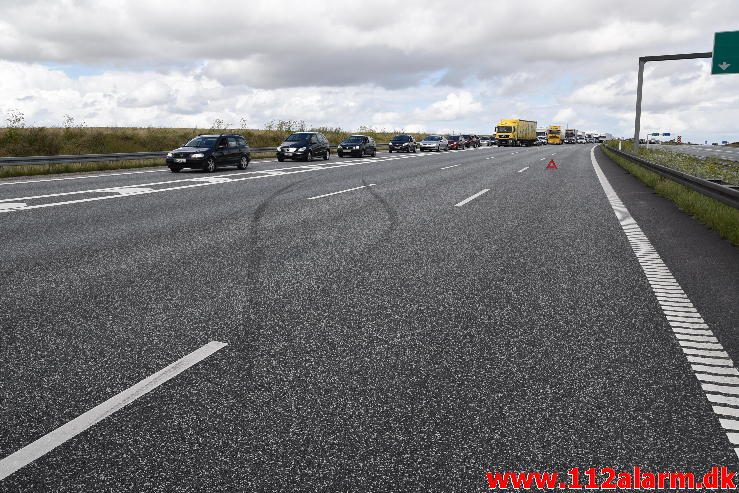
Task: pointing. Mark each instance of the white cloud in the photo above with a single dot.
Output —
(185, 63)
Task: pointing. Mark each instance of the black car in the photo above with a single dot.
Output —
(304, 146)
(208, 152)
(405, 143)
(357, 145)
(471, 140)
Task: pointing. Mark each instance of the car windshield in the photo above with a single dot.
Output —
(401, 138)
(432, 137)
(298, 137)
(503, 129)
(467, 136)
(202, 142)
(453, 138)
(353, 140)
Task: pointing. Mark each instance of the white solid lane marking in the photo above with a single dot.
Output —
(452, 166)
(729, 411)
(715, 369)
(53, 439)
(667, 289)
(717, 378)
(12, 206)
(542, 159)
(340, 191)
(522, 170)
(81, 177)
(460, 204)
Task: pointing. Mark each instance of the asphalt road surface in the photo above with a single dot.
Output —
(398, 323)
(721, 152)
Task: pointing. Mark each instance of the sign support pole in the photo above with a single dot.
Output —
(640, 81)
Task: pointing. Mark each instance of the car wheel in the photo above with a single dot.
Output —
(175, 169)
(374, 152)
(390, 151)
(327, 155)
(280, 158)
(210, 165)
(243, 163)
(341, 154)
(309, 156)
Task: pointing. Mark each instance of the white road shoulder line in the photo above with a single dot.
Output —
(709, 354)
(452, 166)
(468, 199)
(340, 191)
(51, 440)
(524, 169)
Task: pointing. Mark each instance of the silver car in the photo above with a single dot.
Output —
(434, 143)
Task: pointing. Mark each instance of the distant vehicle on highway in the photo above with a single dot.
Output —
(403, 142)
(305, 146)
(357, 145)
(515, 132)
(208, 152)
(571, 136)
(541, 141)
(471, 140)
(486, 141)
(581, 140)
(456, 142)
(555, 135)
(434, 143)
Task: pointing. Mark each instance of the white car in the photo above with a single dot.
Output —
(434, 143)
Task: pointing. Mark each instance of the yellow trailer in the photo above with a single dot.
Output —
(516, 132)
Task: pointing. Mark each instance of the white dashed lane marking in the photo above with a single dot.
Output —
(468, 199)
(712, 366)
(53, 439)
(340, 191)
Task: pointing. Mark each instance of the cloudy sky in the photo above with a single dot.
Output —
(413, 65)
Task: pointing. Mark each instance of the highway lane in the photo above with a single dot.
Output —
(379, 337)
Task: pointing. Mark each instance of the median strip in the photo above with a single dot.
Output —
(50, 441)
(468, 199)
(341, 191)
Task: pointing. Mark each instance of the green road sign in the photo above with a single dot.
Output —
(725, 53)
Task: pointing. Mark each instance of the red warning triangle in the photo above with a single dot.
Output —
(552, 164)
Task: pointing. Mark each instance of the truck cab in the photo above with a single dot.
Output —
(554, 135)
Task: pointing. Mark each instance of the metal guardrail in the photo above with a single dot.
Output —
(119, 156)
(728, 195)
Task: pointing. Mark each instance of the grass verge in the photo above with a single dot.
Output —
(714, 214)
(708, 168)
(52, 169)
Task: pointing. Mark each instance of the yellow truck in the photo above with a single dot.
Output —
(516, 132)
(555, 135)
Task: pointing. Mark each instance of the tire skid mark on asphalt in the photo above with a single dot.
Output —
(706, 355)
